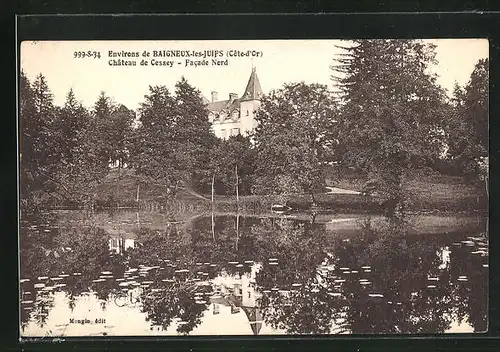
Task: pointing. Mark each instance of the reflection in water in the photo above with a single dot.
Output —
(232, 274)
(119, 244)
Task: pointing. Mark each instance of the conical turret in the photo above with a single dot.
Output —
(253, 91)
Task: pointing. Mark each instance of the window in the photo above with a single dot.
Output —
(236, 115)
(114, 242)
(223, 133)
(235, 131)
(247, 112)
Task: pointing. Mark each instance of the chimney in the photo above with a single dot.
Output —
(233, 96)
(215, 96)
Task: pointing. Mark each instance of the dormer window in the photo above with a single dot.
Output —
(236, 115)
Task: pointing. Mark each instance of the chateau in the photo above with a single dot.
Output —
(235, 115)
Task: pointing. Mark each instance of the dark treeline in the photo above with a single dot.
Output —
(387, 117)
(66, 151)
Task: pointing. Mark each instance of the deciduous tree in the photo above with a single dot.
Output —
(231, 157)
(296, 125)
(171, 146)
(468, 128)
(392, 110)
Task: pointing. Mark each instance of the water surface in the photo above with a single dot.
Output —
(147, 274)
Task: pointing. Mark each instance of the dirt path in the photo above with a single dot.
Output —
(335, 190)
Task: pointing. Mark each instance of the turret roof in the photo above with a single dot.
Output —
(253, 91)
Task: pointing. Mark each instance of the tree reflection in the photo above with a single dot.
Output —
(291, 253)
(383, 280)
(188, 259)
(174, 303)
(469, 283)
(298, 247)
(68, 259)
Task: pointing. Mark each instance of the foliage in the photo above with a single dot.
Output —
(37, 155)
(119, 133)
(65, 151)
(391, 109)
(293, 138)
(113, 126)
(193, 132)
(171, 144)
(230, 157)
(83, 164)
(468, 126)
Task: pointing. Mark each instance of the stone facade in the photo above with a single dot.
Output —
(236, 115)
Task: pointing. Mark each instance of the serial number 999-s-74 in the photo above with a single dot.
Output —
(86, 54)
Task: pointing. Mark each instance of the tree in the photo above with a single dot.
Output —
(194, 131)
(154, 153)
(171, 145)
(468, 128)
(46, 111)
(231, 157)
(68, 124)
(80, 167)
(38, 152)
(30, 154)
(119, 133)
(101, 115)
(295, 128)
(391, 112)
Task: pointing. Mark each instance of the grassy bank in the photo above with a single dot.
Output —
(426, 192)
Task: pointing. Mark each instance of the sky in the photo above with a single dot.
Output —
(279, 62)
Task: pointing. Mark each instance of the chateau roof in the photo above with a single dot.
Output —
(253, 91)
(218, 106)
(254, 317)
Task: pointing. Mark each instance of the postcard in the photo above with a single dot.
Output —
(253, 187)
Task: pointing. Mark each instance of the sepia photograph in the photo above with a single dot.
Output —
(253, 187)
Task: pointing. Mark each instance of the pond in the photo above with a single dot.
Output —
(141, 274)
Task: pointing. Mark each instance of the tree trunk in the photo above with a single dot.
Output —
(391, 205)
(313, 218)
(175, 189)
(213, 226)
(237, 229)
(486, 186)
(213, 182)
(392, 182)
(213, 207)
(237, 188)
(313, 199)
